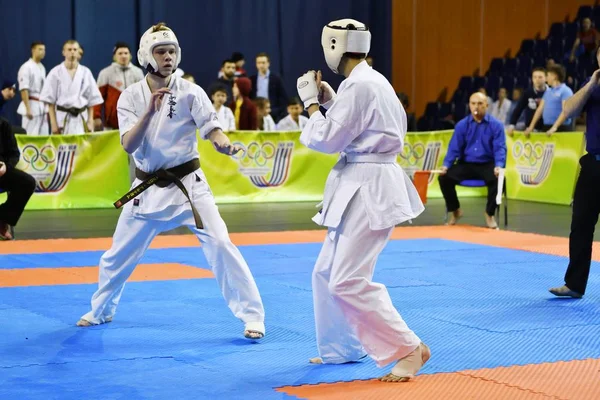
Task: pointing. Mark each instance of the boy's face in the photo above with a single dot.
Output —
(219, 98)
(294, 110)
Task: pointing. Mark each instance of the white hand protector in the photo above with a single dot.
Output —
(326, 95)
(307, 88)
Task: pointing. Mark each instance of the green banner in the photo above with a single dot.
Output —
(425, 151)
(272, 167)
(543, 168)
(91, 171)
(74, 171)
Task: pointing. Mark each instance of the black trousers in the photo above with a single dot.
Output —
(464, 171)
(586, 207)
(20, 186)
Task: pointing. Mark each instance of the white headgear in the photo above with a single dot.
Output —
(149, 41)
(344, 36)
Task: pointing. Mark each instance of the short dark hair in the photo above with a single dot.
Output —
(227, 61)
(538, 69)
(263, 54)
(356, 56)
(294, 101)
(121, 45)
(35, 44)
(217, 88)
(237, 56)
(559, 71)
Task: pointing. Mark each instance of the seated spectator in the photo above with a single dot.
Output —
(263, 114)
(478, 146)
(218, 95)
(294, 121)
(551, 108)
(411, 119)
(243, 108)
(501, 107)
(521, 121)
(587, 40)
(9, 89)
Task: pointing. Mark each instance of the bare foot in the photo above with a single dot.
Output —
(5, 231)
(254, 330)
(316, 360)
(85, 323)
(407, 367)
(455, 216)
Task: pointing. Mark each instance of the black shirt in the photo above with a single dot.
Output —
(529, 102)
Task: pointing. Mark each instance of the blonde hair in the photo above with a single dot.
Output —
(161, 26)
(70, 41)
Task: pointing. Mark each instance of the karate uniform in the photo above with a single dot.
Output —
(367, 193)
(80, 92)
(226, 118)
(288, 124)
(31, 77)
(269, 124)
(169, 141)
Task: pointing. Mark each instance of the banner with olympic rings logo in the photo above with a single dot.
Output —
(543, 168)
(74, 171)
(91, 171)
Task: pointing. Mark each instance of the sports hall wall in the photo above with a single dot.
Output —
(435, 42)
(208, 31)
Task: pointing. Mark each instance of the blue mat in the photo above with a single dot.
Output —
(476, 306)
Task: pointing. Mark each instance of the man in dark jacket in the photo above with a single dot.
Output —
(270, 86)
(18, 184)
(529, 101)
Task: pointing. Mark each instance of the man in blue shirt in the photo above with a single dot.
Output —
(478, 147)
(551, 108)
(586, 201)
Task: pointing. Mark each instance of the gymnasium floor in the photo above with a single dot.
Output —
(478, 297)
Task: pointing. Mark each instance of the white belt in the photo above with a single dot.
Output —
(371, 158)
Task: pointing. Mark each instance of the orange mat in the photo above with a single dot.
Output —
(571, 380)
(512, 240)
(82, 275)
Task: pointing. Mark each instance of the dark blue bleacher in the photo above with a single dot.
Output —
(516, 72)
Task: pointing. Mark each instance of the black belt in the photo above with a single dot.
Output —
(74, 111)
(163, 178)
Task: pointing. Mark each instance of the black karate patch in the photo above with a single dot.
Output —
(198, 179)
(172, 103)
(136, 202)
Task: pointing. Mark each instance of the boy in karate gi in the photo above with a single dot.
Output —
(158, 118)
(31, 78)
(71, 94)
(367, 193)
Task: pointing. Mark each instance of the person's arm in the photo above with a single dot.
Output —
(456, 145)
(133, 128)
(576, 103)
(24, 78)
(499, 143)
(90, 119)
(518, 110)
(536, 118)
(53, 121)
(575, 45)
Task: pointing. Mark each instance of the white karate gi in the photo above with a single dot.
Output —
(170, 141)
(31, 77)
(226, 118)
(269, 124)
(367, 193)
(80, 92)
(288, 124)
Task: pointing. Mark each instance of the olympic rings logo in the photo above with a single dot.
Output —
(528, 152)
(40, 159)
(413, 153)
(255, 153)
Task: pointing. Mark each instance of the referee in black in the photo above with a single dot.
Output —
(586, 202)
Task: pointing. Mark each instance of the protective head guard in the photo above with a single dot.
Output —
(344, 36)
(149, 41)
